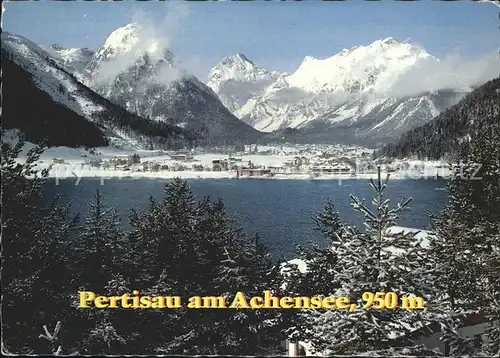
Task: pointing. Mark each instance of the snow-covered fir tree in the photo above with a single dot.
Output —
(109, 330)
(178, 246)
(193, 246)
(35, 253)
(317, 279)
(369, 259)
(467, 242)
(246, 267)
(100, 246)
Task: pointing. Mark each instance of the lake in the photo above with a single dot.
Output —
(279, 210)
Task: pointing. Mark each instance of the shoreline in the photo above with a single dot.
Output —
(68, 173)
(74, 163)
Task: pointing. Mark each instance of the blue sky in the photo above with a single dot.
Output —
(276, 35)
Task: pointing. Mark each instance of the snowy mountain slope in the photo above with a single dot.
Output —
(381, 121)
(375, 67)
(32, 111)
(352, 89)
(121, 127)
(135, 71)
(236, 80)
(448, 134)
(75, 60)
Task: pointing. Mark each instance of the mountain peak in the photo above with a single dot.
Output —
(346, 51)
(57, 47)
(123, 37)
(138, 39)
(241, 56)
(131, 43)
(122, 31)
(238, 59)
(61, 50)
(390, 41)
(382, 42)
(235, 74)
(234, 67)
(372, 67)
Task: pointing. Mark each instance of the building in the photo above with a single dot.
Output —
(326, 155)
(151, 166)
(473, 327)
(334, 169)
(300, 161)
(58, 160)
(198, 167)
(182, 157)
(93, 162)
(346, 161)
(275, 169)
(298, 349)
(251, 172)
(177, 167)
(219, 165)
(133, 159)
(120, 161)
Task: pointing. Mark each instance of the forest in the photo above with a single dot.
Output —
(36, 114)
(185, 246)
(447, 135)
(32, 111)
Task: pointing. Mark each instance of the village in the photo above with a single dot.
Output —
(293, 162)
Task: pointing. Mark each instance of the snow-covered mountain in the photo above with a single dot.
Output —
(449, 134)
(135, 70)
(236, 80)
(45, 76)
(353, 93)
(75, 60)
(361, 69)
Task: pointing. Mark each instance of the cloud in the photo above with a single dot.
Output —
(144, 36)
(166, 74)
(453, 72)
(194, 65)
(178, 11)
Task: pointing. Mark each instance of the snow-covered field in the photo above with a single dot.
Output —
(75, 166)
(75, 163)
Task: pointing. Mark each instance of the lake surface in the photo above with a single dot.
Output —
(279, 210)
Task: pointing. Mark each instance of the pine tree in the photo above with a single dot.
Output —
(104, 339)
(109, 330)
(100, 246)
(371, 260)
(247, 267)
(35, 252)
(196, 250)
(318, 277)
(179, 246)
(467, 241)
(163, 240)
